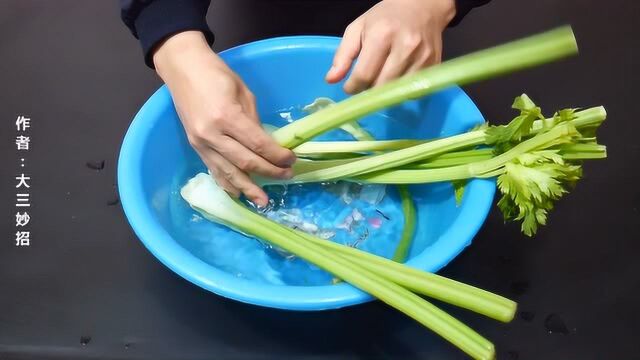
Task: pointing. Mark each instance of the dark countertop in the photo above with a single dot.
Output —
(87, 289)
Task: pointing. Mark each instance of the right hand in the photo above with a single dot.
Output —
(219, 115)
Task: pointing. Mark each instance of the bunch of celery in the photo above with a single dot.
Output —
(534, 158)
(389, 281)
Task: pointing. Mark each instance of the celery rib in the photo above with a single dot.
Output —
(393, 159)
(409, 226)
(331, 147)
(520, 54)
(425, 283)
(358, 167)
(591, 117)
(394, 295)
(466, 171)
(205, 196)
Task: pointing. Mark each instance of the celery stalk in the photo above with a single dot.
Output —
(585, 120)
(583, 151)
(393, 159)
(520, 54)
(471, 170)
(454, 158)
(324, 147)
(441, 323)
(356, 169)
(204, 195)
(409, 226)
(429, 284)
(569, 152)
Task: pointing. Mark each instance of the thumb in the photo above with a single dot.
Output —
(345, 54)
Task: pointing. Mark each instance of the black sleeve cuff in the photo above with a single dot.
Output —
(162, 18)
(463, 7)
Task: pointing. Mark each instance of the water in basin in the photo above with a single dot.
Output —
(368, 217)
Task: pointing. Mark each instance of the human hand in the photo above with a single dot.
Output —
(393, 38)
(219, 115)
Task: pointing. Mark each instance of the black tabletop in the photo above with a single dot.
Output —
(86, 288)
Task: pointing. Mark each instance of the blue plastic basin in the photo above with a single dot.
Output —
(283, 72)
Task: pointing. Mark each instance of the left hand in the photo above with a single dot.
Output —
(393, 38)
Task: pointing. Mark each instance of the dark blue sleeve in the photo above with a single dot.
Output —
(463, 7)
(152, 21)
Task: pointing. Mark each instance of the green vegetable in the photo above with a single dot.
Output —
(345, 147)
(204, 195)
(458, 190)
(409, 226)
(559, 134)
(393, 159)
(498, 135)
(527, 150)
(483, 64)
(424, 283)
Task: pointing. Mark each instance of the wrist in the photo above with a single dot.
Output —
(447, 9)
(179, 51)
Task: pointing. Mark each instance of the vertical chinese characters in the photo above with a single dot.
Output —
(22, 217)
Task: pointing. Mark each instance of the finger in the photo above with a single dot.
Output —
(222, 182)
(246, 160)
(370, 62)
(213, 167)
(345, 54)
(238, 179)
(395, 66)
(251, 135)
(427, 58)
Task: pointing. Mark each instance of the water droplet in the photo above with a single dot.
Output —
(95, 165)
(85, 340)
(555, 324)
(114, 201)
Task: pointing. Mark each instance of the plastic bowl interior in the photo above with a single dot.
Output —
(156, 159)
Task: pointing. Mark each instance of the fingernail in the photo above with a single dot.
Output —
(332, 69)
(260, 202)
